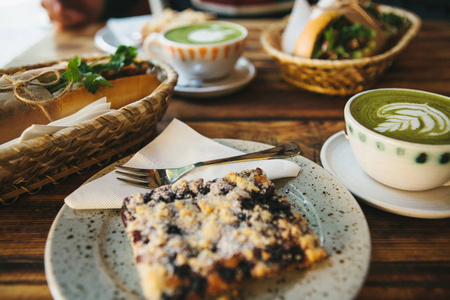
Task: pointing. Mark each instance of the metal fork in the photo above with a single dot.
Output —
(152, 178)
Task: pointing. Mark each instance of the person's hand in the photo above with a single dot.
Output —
(72, 13)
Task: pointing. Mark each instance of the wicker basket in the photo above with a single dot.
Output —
(29, 165)
(338, 77)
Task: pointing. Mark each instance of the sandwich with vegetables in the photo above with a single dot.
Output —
(348, 31)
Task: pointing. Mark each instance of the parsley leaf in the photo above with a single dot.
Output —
(91, 74)
(125, 53)
(92, 81)
(123, 56)
(73, 72)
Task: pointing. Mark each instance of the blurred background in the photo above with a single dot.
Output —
(22, 24)
(25, 22)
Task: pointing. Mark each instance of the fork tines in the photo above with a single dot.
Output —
(133, 182)
(138, 176)
(134, 170)
(141, 176)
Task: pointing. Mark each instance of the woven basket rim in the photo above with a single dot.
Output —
(44, 142)
(398, 47)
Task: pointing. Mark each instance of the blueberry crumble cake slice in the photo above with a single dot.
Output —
(196, 239)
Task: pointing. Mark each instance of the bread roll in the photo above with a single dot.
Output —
(16, 116)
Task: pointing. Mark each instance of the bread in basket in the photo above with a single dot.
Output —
(336, 77)
(27, 166)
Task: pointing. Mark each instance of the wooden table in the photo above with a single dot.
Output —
(410, 257)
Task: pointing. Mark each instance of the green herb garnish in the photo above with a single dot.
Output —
(123, 56)
(92, 81)
(90, 75)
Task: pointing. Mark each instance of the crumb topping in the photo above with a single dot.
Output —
(210, 236)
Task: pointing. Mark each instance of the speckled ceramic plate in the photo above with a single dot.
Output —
(87, 255)
(338, 159)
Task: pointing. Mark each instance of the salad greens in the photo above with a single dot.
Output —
(344, 40)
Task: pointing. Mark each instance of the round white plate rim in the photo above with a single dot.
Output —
(221, 87)
(99, 40)
(364, 246)
(52, 282)
(371, 199)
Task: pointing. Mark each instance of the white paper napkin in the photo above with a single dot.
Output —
(88, 112)
(301, 13)
(177, 146)
(297, 21)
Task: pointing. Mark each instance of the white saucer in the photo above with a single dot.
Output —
(244, 72)
(121, 31)
(337, 158)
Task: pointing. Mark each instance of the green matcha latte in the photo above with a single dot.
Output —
(411, 116)
(203, 33)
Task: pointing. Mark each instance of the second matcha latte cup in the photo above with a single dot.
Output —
(205, 51)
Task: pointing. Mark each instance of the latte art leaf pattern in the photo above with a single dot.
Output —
(208, 35)
(413, 116)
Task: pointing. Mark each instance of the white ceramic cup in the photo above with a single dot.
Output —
(397, 163)
(206, 61)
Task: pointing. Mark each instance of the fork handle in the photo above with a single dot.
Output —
(283, 151)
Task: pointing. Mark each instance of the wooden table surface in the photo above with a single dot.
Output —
(410, 256)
